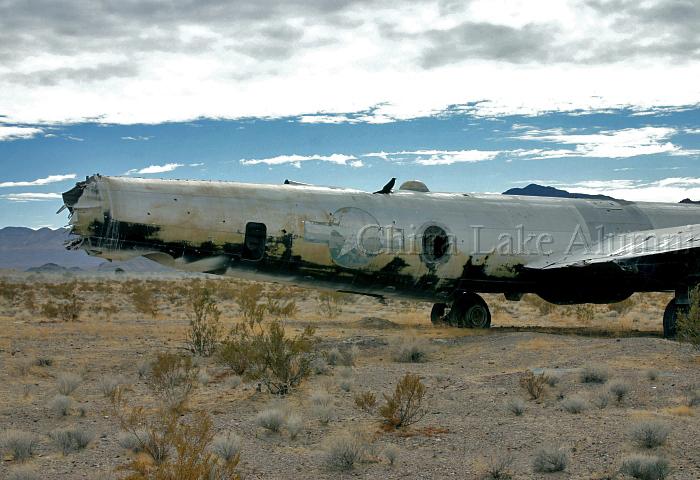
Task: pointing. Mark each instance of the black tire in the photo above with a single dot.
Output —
(670, 318)
(470, 311)
(437, 313)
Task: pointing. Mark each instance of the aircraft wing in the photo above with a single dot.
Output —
(627, 248)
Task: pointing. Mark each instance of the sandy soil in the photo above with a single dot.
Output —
(470, 375)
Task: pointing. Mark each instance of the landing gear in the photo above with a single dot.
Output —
(673, 309)
(468, 310)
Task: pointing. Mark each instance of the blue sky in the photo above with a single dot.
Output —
(586, 95)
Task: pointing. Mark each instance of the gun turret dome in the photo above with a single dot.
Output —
(414, 186)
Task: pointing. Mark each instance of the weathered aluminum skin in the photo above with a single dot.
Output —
(357, 241)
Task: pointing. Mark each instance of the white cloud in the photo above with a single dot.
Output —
(31, 197)
(436, 157)
(663, 190)
(168, 167)
(630, 142)
(16, 133)
(296, 160)
(137, 138)
(336, 57)
(195, 164)
(39, 181)
(74, 138)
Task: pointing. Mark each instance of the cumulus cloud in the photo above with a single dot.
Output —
(168, 167)
(31, 197)
(629, 142)
(39, 181)
(127, 61)
(16, 133)
(296, 160)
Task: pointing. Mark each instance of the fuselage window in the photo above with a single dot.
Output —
(436, 243)
(254, 243)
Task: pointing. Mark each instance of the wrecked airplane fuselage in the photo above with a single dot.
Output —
(411, 242)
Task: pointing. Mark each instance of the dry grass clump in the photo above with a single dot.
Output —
(366, 401)
(330, 304)
(653, 374)
(499, 468)
(132, 442)
(550, 460)
(534, 384)
(23, 366)
(621, 307)
(271, 419)
(23, 473)
(412, 351)
(319, 366)
(234, 381)
(143, 299)
(620, 391)
(72, 439)
(692, 398)
(342, 356)
(601, 400)
(650, 433)
(406, 406)
(109, 384)
(43, 361)
(343, 452)
(543, 306)
(20, 445)
(67, 382)
(594, 374)
(646, 467)
(294, 425)
(61, 405)
(574, 404)
(227, 447)
(391, 453)
(345, 378)
(66, 304)
(516, 406)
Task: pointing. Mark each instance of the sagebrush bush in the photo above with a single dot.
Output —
(172, 379)
(67, 382)
(320, 397)
(650, 433)
(319, 366)
(23, 473)
(406, 406)
(646, 467)
(295, 425)
(391, 453)
(601, 399)
(499, 467)
(620, 391)
(72, 438)
(271, 419)
(343, 452)
(516, 406)
(20, 445)
(688, 323)
(366, 401)
(204, 330)
(61, 405)
(534, 384)
(550, 460)
(574, 404)
(594, 374)
(412, 351)
(227, 446)
(109, 384)
(341, 356)
(324, 413)
(330, 304)
(130, 441)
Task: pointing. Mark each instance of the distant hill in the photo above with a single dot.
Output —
(42, 250)
(535, 190)
(687, 200)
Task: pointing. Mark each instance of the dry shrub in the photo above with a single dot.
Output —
(620, 390)
(650, 433)
(294, 424)
(249, 302)
(271, 419)
(405, 407)
(549, 460)
(227, 447)
(646, 467)
(175, 448)
(67, 306)
(72, 439)
(61, 405)
(344, 451)
(516, 406)
(621, 307)
(574, 404)
(594, 374)
(585, 313)
(534, 384)
(267, 354)
(144, 300)
(412, 351)
(67, 382)
(342, 356)
(688, 323)
(280, 303)
(205, 326)
(499, 468)
(23, 473)
(20, 445)
(172, 379)
(330, 304)
(543, 306)
(366, 401)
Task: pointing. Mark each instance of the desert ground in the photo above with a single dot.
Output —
(478, 420)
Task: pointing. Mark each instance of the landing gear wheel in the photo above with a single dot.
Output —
(437, 314)
(671, 318)
(470, 311)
